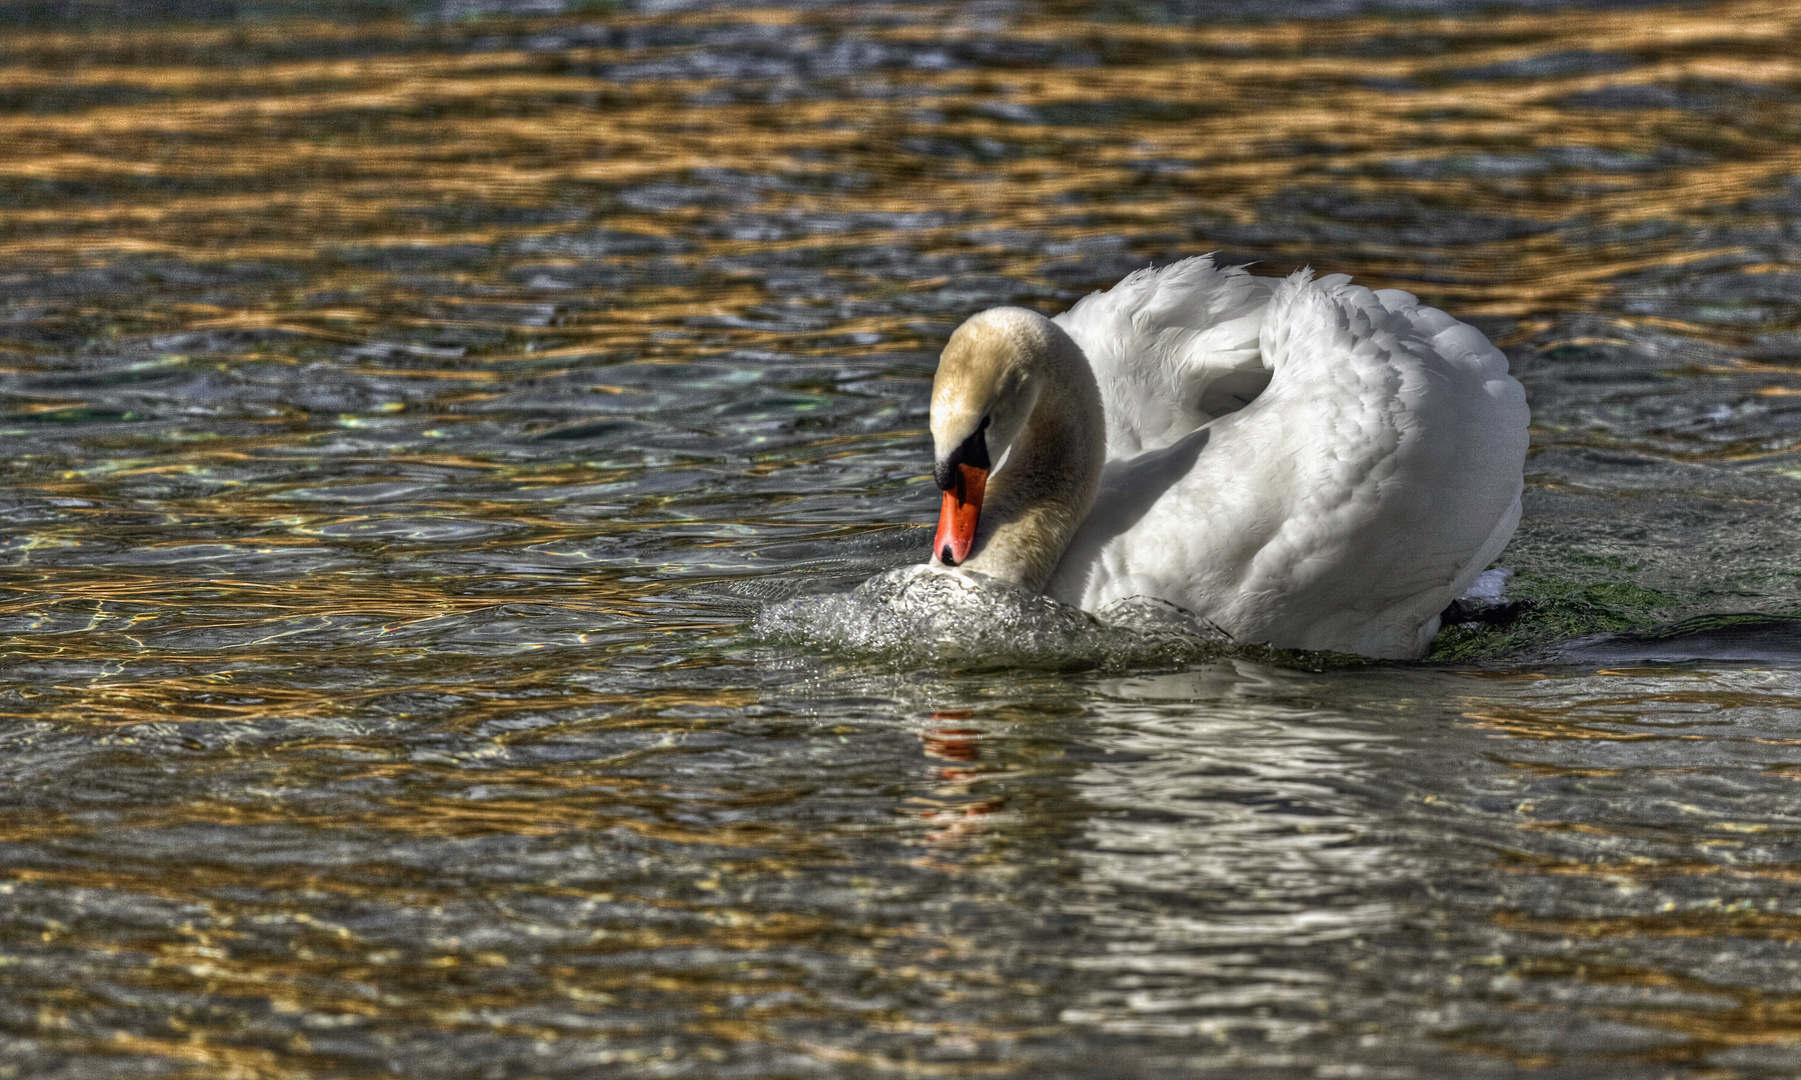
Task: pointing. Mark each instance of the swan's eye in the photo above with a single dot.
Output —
(972, 451)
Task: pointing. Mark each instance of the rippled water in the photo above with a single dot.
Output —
(405, 421)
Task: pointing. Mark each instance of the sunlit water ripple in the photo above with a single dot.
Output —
(406, 423)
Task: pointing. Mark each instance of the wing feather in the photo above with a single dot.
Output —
(1347, 504)
(1411, 436)
(1171, 349)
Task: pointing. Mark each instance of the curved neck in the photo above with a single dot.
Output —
(1043, 487)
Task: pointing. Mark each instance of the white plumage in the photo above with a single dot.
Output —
(1305, 462)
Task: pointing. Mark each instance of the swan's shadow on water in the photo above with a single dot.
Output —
(1745, 638)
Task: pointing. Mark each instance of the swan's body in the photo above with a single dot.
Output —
(1373, 473)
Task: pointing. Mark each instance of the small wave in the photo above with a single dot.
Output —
(1745, 638)
(924, 615)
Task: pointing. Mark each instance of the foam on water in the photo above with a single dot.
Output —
(926, 615)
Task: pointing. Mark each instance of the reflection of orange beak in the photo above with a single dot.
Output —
(957, 518)
(951, 744)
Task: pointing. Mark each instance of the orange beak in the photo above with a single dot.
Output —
(957, 518)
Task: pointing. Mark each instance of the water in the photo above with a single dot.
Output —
(406, 421)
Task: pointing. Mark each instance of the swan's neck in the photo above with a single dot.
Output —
(1045, 483)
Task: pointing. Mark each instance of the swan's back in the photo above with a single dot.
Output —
(1408, 440)
(1345, 505)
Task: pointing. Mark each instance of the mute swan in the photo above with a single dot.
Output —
(1305, 463)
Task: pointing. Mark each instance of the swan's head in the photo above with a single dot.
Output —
(986, 387)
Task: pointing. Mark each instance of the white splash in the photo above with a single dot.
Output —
(928, 615)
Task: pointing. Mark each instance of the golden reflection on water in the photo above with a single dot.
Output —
(504, 125)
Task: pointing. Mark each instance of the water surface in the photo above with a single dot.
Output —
(403, 421)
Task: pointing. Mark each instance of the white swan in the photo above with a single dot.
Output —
(1305, 463)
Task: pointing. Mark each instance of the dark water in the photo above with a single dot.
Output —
(403, 420)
